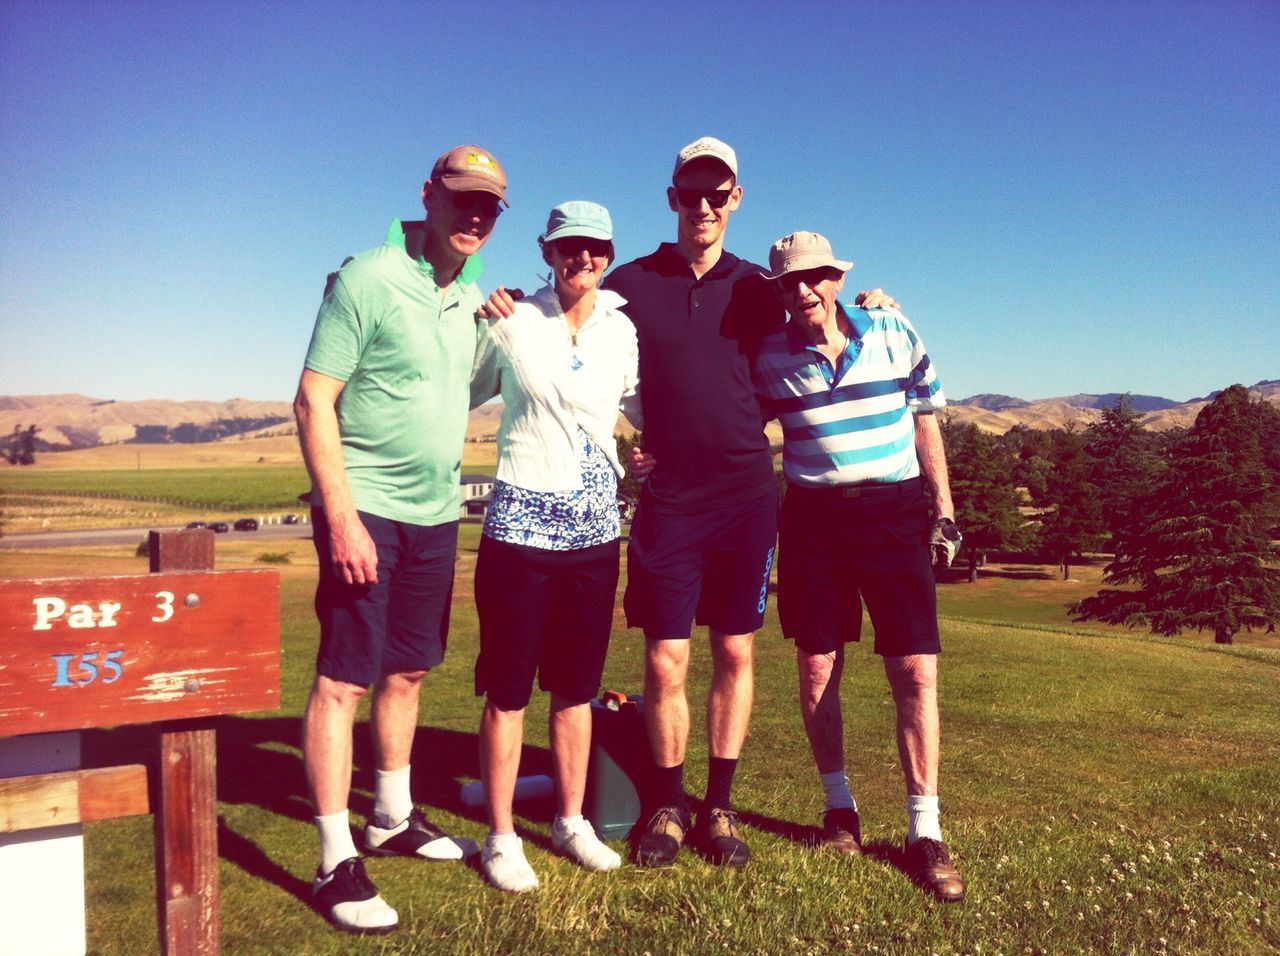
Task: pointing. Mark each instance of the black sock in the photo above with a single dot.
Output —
(668, 786)
(720, 772)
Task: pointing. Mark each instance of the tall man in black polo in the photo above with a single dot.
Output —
(703, 539)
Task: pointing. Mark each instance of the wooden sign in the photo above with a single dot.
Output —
(94, 652)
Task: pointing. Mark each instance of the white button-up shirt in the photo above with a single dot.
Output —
(551, 387)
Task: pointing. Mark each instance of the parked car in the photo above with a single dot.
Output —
(289, 519)
(196, 524)
(247, 524)
(221, 527)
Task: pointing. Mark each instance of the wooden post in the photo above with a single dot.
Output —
(186, 814)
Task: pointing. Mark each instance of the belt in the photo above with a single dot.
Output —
(911, 487)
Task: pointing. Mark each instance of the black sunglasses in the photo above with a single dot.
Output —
(484, 204)
(690, 198)
(810, 277)
(570, 246)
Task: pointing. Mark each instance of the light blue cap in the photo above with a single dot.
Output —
(577, 217)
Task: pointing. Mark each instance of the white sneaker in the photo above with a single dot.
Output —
(506, 868)
(347, 898)
(575, 838)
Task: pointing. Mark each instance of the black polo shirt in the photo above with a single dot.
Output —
(701, 416)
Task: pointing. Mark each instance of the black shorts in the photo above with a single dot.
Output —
(544, 612)
(399, 624)
(712, 567)
(840, 547)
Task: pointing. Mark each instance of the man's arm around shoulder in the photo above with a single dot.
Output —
(355, 559)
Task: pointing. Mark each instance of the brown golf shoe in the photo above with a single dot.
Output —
(928, 862)
(841, 831)
(721, 838)
(661, 839)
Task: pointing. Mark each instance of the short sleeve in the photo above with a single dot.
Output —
(338, 337)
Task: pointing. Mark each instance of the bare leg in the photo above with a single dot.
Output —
(819, 676)
(666, 708)
(501, 736)
(326, 742)
(395, 718)
(729, 699)
(570, 729)
(914, 681)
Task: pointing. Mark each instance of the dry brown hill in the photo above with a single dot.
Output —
(84, 422)
(97, 425)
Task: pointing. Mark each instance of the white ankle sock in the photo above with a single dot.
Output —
(336, 844)
(836, 785)
(392, 802)
(922, 819)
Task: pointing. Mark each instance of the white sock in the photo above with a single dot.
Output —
(501, 841)
(392, 803)
(836, 784)
(922, 819)
(336, 844)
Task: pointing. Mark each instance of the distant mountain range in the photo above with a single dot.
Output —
(999, 413)
(78, 421)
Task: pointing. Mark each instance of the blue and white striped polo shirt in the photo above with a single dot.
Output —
(853, 423)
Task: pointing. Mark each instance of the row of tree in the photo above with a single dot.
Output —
(1189, 515)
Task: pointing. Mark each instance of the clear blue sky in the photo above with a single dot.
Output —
(1066, 196)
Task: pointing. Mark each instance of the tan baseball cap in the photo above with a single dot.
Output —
(470, 169)
(801, 251)
(708, 147)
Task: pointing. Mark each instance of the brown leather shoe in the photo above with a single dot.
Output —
(662, 837)
(841, 831)
(721, 838)
(928, 862)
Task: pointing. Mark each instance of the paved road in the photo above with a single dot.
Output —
(105, 536)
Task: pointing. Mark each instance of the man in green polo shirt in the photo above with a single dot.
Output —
(382, 409)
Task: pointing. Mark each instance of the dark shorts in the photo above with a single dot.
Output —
(712, 567)
(544, 612)
(399, 624)
(840, 547)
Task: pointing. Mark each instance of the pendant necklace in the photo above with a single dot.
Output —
(575, 362)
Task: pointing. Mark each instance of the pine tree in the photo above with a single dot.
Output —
(1197, 552)
(1125, 463)
(1071, 523)
(984, 490)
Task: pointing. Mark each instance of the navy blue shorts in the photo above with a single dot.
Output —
(712, 567)
(544, 612)
(399, 624)
(840, 547)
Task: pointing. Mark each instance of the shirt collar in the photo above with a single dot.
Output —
(673, 263)
(469, 272)
(859, 324)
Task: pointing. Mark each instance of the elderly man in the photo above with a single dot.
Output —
(382, 409)
(856, 393)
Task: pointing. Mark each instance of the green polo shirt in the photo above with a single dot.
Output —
(405, 349)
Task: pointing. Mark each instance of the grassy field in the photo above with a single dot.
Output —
(58, 499)
(1103, 791)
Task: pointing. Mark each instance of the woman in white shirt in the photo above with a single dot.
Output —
(564, 363)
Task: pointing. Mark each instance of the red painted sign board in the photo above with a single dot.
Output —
(95, 652)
